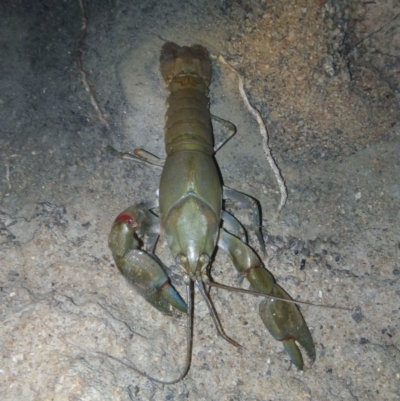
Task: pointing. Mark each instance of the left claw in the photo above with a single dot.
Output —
(142, 269)
(282, 319)
(286, 324)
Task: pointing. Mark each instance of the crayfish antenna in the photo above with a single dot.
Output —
(189, 346)
(214, 315)
(261, 294)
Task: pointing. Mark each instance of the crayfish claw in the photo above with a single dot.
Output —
(286, 324)
(146, 274)
(143, 269)
(281, 318)
(170, 295)
(294, 352)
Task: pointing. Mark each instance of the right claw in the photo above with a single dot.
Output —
(142, 269)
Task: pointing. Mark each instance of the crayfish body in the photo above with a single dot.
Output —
(191, 210)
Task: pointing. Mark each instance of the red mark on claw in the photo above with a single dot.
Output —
(125, 218)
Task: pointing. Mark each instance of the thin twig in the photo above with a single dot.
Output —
(85, 81)
(264, 134)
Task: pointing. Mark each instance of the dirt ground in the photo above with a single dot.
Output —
(325, 77)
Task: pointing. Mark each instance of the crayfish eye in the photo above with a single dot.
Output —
(204, 258)
(204, 262)
(181, 259)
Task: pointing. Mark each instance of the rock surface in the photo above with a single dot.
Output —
(325, 77)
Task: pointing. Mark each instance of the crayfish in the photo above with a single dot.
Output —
(191, 213)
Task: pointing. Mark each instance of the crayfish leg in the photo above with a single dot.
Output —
(247, 202)
(234, 226)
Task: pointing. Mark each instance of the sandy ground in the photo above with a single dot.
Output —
(325, 77)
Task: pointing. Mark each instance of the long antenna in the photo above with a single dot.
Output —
(261, 294)
(214, 315)
(189, 345)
